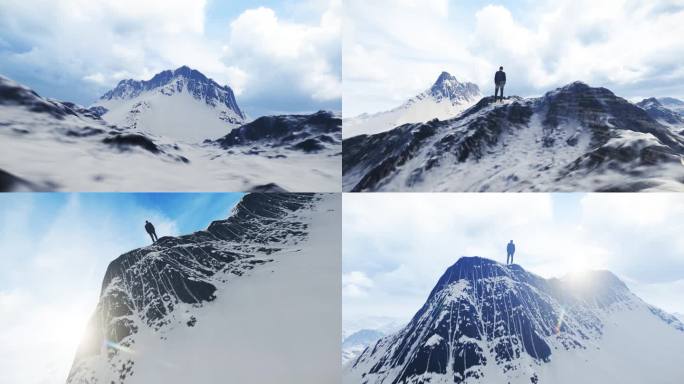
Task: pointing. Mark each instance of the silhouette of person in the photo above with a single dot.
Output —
(499, 82)
(150, 230)
(510, 250)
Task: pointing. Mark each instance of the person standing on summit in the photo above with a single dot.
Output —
(499, 82)
(510, 250)
(150, 230)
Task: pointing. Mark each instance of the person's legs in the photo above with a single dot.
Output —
(155, 236)
(502, 88)
(496, 91)
(151, 237)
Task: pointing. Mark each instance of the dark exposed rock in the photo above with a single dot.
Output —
(126, 141)
(307, 132)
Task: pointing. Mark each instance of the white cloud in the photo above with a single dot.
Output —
(355, 283)
(392, 52)
(270, 50)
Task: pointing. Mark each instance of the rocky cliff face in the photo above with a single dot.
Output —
(151, 294)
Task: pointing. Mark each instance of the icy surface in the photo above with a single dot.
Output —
(253, 299)
(489, 323)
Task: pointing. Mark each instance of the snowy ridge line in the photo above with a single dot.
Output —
(573, 138)
(155, 288)
(486, 322)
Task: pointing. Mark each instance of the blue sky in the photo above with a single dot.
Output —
(55, 249)
(393, 50)
(278, 56)
(396, 246)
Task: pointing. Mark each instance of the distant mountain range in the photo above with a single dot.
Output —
(485, 322)
(574, 138)
(445, 99)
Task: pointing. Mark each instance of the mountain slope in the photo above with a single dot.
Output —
(575, 138)
(306, 133)
(672, 104)
(445, 99)
(182, 104)
(211, 306)
(661, 114)
(49, 145)
(489, 323)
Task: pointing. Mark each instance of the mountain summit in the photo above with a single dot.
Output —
(485, 322)
(445, 99)
(449, 88)
(183, 103)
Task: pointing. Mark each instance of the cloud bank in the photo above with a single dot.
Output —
(394, 50)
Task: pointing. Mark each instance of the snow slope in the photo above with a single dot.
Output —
(51, 145)
(445, 99)
(489, 323)
(182, 104)
(252, 299)
(575, 138)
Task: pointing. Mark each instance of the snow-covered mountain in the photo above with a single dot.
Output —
(575, 138)
(251, 299)
(485, 322)
(182, 104)
(355, 343)
(662, 114)
(52, 145)
(672, 104)
(445, 99)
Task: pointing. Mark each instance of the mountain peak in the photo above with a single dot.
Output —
(448, 87)
(445, 76)
(138, 96)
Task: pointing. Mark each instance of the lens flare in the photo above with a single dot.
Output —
(118, 347)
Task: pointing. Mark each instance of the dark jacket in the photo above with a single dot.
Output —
(149, 228)
(500, 77)
(510, 248)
